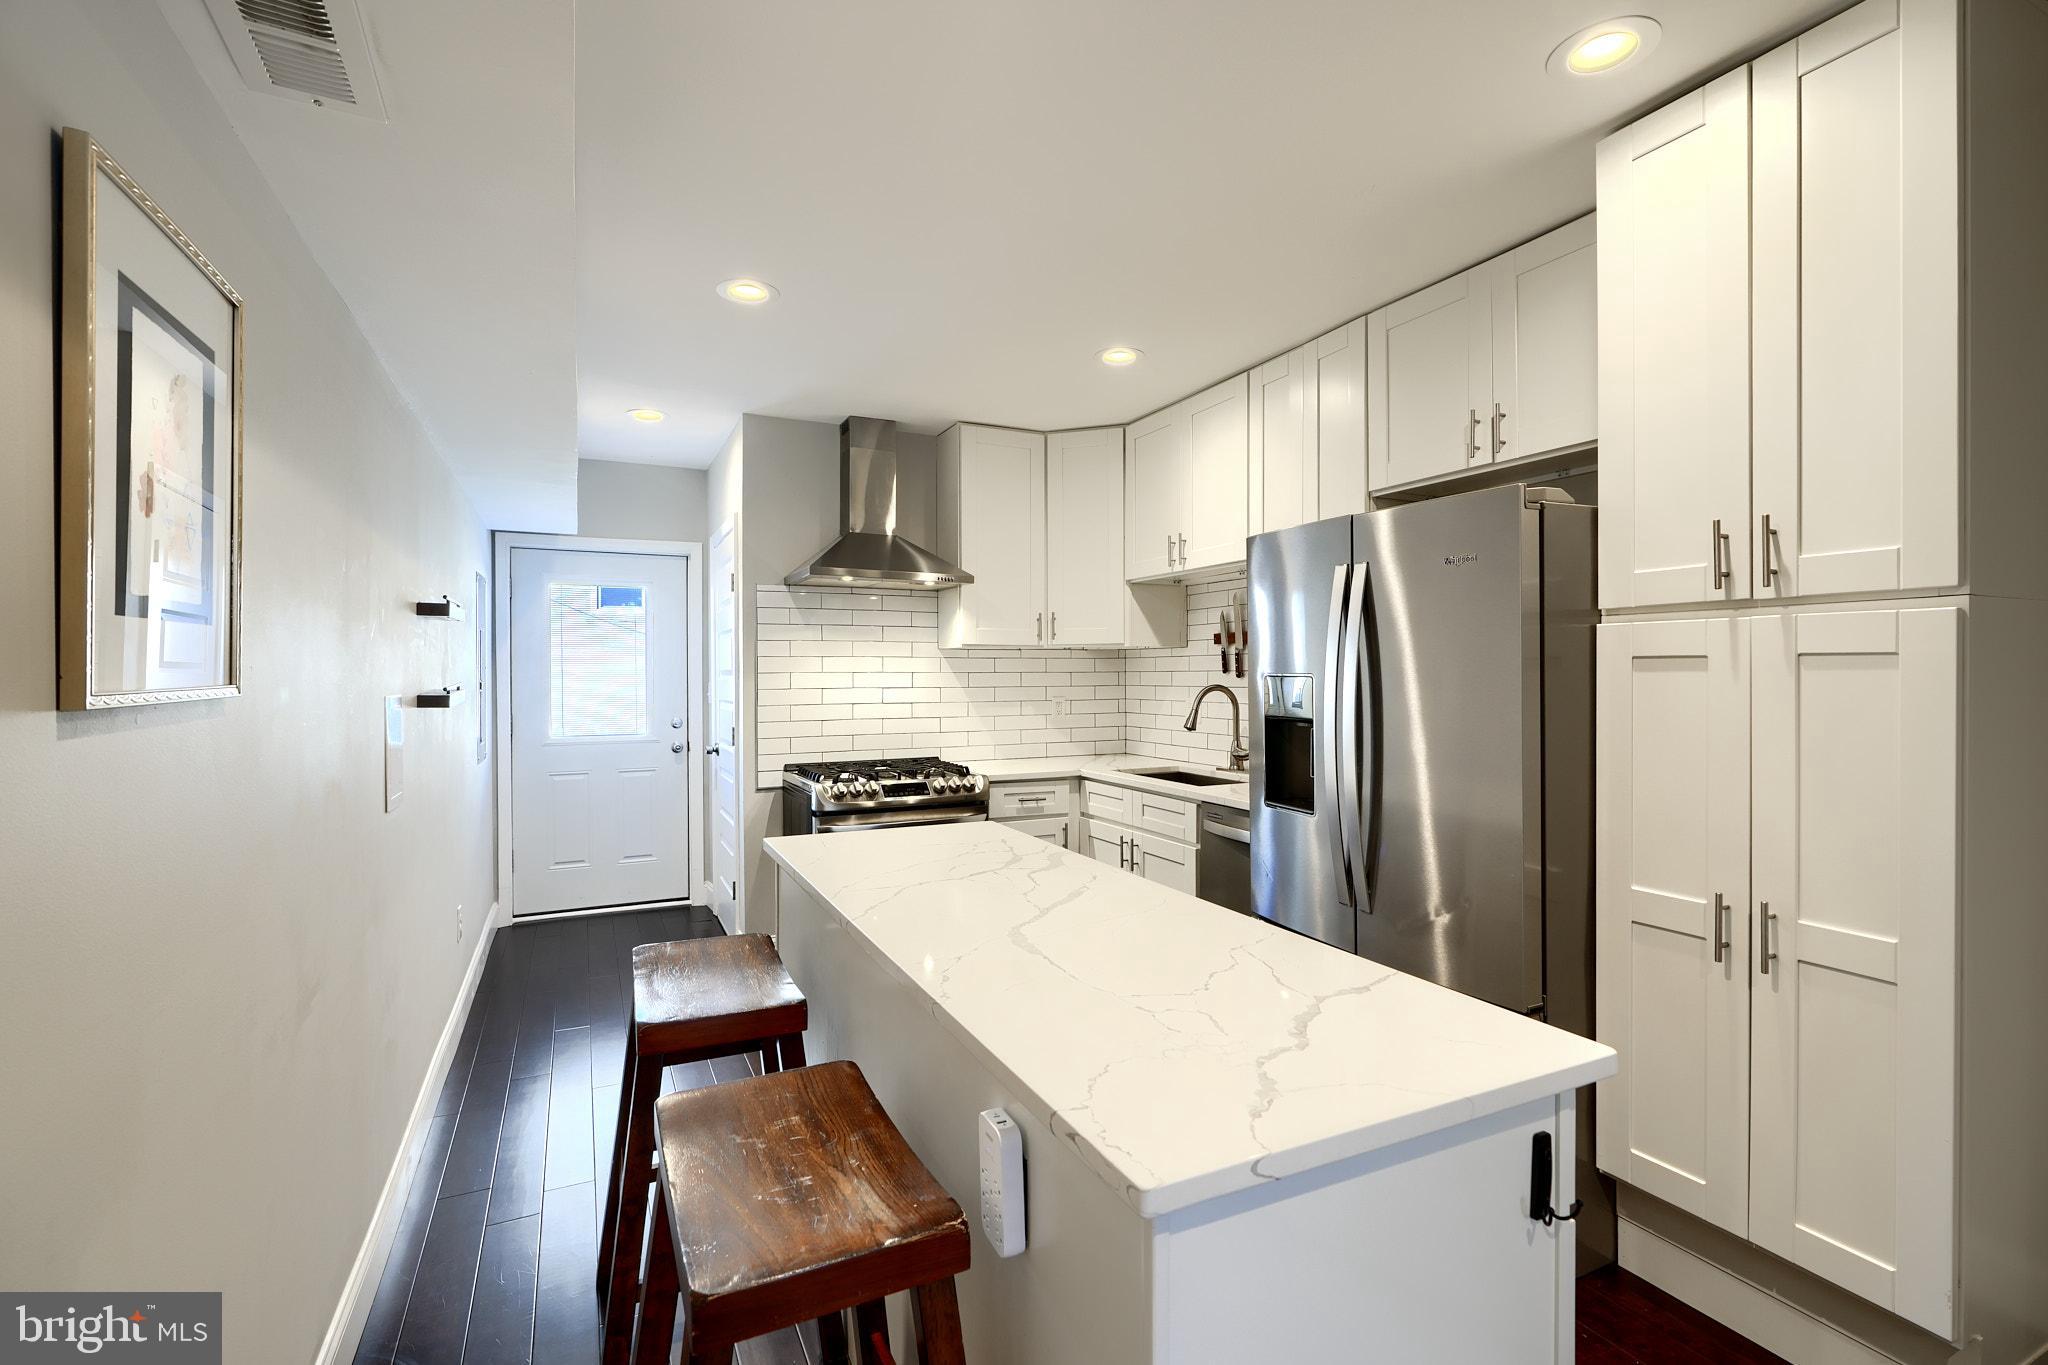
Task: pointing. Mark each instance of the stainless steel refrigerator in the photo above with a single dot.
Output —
(1422, 760)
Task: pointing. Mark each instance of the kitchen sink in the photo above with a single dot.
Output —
(1192, 779)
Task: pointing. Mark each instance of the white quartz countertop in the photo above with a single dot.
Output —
(1116, 768)
(1186, 1051)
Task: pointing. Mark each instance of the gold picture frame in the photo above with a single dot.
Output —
(149, 560)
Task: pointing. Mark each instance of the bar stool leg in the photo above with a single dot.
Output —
(869, 1320)
(658, 1301)
(832, 1349)
(935, 1308)
(791, 1046)
(608, 1230)
(634, 1177)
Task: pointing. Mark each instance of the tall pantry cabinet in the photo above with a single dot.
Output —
(1823, 856)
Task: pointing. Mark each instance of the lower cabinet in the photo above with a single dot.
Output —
(1042, 809)
(1779, 824)
(1140, 831)
(1054, 829)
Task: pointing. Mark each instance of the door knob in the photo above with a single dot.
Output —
(713, 749)
(676, 748)
(676, 724)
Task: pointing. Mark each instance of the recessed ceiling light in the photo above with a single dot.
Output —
(744, 290)
(1602, 47)
(1119, 355)
(646, 414)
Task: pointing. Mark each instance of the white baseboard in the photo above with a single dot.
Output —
(345, 1329)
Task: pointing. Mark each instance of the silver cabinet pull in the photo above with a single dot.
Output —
(1041, 627)
(1053, 621)
(1063, 833)
(1499, 442)
(1183, 551)
(1471, 435)
(1770, 552)
(1123, 852)
(1720, 550)
(1169, 549)
(1767, 955)
(1720, 935)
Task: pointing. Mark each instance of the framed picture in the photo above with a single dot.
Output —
(150, 495)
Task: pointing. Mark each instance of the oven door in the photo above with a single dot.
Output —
(852, 822)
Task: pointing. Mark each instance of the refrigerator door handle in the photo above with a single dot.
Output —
(1356, 754)
(1334, 727)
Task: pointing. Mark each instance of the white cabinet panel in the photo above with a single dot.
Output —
(1857, 361)
(1855, 831)
(1021, 800)
(1429, 376)
(1545, 346)
(1105, 843)
(1053, 829)
(1156, 489)
(1674, 352)
(1334, 393)
(1282, 446)
(992, 514)
(1217, 476)
(1166, 861)
(1673, 892)
(1084, 563)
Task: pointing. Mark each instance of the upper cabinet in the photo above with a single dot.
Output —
(1307, 432)
(1187, 484)
(1039, 521)
(1779, 305)
(1497, 363)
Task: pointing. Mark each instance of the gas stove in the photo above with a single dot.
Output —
(849, 794)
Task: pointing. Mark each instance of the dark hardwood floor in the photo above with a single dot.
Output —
(496, 1251)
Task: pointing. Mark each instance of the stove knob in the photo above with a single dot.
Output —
(873, 789)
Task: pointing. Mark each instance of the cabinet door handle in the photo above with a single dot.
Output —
(1123, 852)
(1041, 627)
(1720, 549)
(1183, 551)
(1063, 834)
(1720, 935)
(1053, 622)
(1169, 549)
(1499, 442)
(1471, 435)
(1770, 540)
(1766, 955)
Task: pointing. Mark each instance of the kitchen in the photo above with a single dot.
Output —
(1433, 664)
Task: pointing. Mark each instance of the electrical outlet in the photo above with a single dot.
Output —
(1059, 706)
(461, 929)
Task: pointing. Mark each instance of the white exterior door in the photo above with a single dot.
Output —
(1282, 452)
(1429, 359)
(600, 746)
(1853, 1168)
(1218, 475)
(1545, 346)
(1674, 352)
(1155, 510)
(1084, 538)
(1002, 535)
(1334, 393)
(721, 740)
(1856, 366)
(1672, 932)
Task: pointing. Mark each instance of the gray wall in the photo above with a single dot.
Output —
(625, 501)
(225, 968)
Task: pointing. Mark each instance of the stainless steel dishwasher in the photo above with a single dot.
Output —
(1223, 857)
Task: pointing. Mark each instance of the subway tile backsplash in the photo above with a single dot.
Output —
(858, 673)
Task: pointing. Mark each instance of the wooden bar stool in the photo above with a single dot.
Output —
(791, 1197)
(693, 1000)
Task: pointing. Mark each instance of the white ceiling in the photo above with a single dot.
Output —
(960, 202)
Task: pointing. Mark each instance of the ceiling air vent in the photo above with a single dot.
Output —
(312, 51)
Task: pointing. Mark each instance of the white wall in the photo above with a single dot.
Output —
(225, 968)
(625, 501)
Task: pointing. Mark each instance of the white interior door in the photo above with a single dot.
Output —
(600, 745)
(1084, 562)
(1673, 803)
(1673, 273)
(1853, 1167)
(1430, 361)
(1856, 366)
(721, 739)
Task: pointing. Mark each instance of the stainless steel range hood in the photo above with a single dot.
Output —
(869, 553)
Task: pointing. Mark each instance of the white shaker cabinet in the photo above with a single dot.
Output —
(1188, 497)
(1545, 344)
(1429, 381)
(1084, 558)
(1856, 325)
(1853, 997)
(991, 519)
(1673, 886)
(1307, 432)
(1674, 352)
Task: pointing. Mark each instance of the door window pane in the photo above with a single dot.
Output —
(597, 661)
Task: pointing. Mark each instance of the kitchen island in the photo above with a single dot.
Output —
(1242, 1144)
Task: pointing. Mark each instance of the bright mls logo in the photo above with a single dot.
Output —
(163, 1329)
